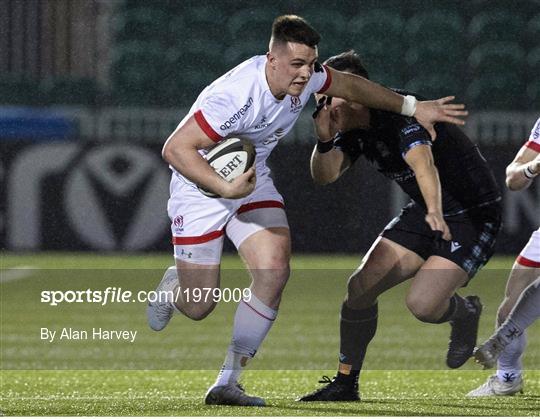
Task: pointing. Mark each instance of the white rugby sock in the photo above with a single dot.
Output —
(174, 288)
(512, 332)
(252, 322)
(524, 313)
(509, 365)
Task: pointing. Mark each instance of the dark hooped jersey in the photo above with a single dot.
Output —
(466, 179)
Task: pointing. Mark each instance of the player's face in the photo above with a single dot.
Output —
(344, 115)
(292, 64)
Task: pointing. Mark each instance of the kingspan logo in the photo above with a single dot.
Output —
(237, 115)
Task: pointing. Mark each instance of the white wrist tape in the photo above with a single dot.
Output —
(409, 105)
(529, 174)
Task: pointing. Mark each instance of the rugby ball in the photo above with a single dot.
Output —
(230, 158)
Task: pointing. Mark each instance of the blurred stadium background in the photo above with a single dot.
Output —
(90, 89)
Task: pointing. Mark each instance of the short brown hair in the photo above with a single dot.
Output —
(292, 28)
(348, 61)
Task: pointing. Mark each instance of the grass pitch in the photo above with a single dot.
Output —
(167, 373)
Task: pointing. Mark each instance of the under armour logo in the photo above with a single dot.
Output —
(454, 246)
(186, 254)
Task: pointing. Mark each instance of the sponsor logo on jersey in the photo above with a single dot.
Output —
(262, 123)
(237, 115)
(403, 176)
(536, 132)
(296, 104)
(410, 129)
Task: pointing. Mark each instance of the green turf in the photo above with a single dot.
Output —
(404, 369)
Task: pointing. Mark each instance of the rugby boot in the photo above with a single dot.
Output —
(159, 312)
(495, 387)
(231, 395)
(335, 390)
(488, 353)
(463, 335)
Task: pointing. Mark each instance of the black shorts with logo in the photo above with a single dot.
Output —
(473, 235)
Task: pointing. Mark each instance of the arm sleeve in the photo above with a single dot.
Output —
(221, 114)
(534, 139)
(412, 134)
(320, 79)
(348, 143)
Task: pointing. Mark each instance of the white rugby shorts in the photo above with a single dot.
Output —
(530, 255)
(199, 223)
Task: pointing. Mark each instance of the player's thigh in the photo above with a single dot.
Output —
(385, 265)
(433, 285)
(263, 240)
(197, 223)
(198, 231)
(260, 230)
(474, 234)
(395, 256)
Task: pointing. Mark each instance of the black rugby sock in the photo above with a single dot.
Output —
(357, 328)
(458, 309)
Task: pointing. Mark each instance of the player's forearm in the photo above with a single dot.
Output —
(519, 175)
(427, 177)
(188, 162)
(326, 167)
(374, 95)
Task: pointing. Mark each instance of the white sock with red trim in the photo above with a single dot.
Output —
(252, 322)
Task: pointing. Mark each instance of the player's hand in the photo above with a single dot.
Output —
(534, 165)
(436, 222)
(323, 121)
(240, 187)
(429, 112)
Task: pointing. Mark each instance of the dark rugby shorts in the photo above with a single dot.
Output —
(473, 235)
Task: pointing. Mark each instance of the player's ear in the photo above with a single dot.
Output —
(271, 58)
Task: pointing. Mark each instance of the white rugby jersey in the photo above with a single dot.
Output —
(240, 104)
(534, 139)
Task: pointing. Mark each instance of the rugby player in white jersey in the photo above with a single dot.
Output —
(521, 304)
(259, 100)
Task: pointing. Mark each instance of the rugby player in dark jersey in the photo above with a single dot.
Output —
(441, 238)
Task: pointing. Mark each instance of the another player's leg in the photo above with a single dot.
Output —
(507, 351)
(432, 298)
(266, 253)
(386, 265)
(197, 228)
(181, 283)
(524, 313)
